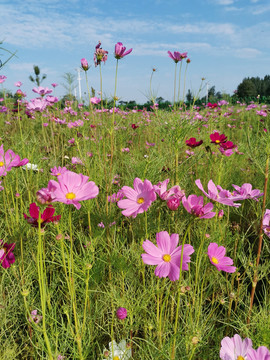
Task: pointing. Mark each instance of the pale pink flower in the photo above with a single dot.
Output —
(164, 194)
(37, 105)
(245, 192)
(56, 171)
(9, 159)
(262, 353)
(166, 255)
(42, 91)
(2, 78)
(18, 84)
(234, 348)
(94, 100)
(138, 199)
(72, 188)
(266, 223)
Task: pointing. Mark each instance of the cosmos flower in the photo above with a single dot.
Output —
(217, 138)
(42, 91)
(217, 257)
(100, 55)
(266, 223)
(120, 51)
(34, 317)
(72, 188)
(121, 351)
(235, 348)
(138, 199)
(177, 56)
(121, 313)
(245, 192)
(6, 255)
(193, 143)
(262, 353)
(194, 205)
(56, 171)
(166, 255)
(44, 218)
(8, 160)
(84, 64)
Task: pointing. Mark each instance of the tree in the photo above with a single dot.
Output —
(37, 80)
(246, 88)
(189, 96)
(69, 86)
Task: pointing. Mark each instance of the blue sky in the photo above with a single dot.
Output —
(226, 41)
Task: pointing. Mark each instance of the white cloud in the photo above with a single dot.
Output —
(247, 53)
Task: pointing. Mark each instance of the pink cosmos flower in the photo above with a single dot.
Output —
(45, 217)
(37, 105)
(166, 255)
(217, 257)
(177, 56)
(18, 84)
(266, 223)
(262, 353)
(54, 85)
(120, 51)
(217, 138)
(72, 188)
(226, 148)
(100, 55)
(44, 196)
(84, 64)
(216, 193)
(6, 255)
(116, 197)
(42, 91)
(234, 348)
(94, 100)
(56, 171)
(245, 192)
(2, 78)
(8, 160)
(164, 194)
(138, 199)
(194, 205)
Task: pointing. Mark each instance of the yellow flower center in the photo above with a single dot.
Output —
(116, 358)
(70, 196)
(40, 220)
(1, 163)
(140, 200)
(58, 174)
(215, 261)
(217, 141)
(240, 358)
(166, 257)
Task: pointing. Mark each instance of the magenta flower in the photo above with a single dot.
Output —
(164, 194)
(262, 353)
(245, 192)
(217, 138)
(72, 188)
(44, 196)
(216, 193)
(234, 348)
(56, 171)
(84, 64)
(166, 255)
(138, 199)
(44, 218)
(177, 56)
(194, 205)
(18, 84)
(54, 85)
(121, 313)
(6, 255)
(173, 203)
(217, 257)
(120, 51)
(193, 143)
(116, 197)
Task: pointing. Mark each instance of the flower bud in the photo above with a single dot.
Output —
(84, 64)
(121, 313)
(173, 203)
(220, 213)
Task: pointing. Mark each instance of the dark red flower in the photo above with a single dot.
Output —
(212, 106)
(6, 255)
(193, 143)
(134, 126)
(217, 138)
(45, 217)
(228, 145)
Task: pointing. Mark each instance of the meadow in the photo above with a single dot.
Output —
(134, 234)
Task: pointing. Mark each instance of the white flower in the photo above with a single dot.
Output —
(30, 167)
(118, 351)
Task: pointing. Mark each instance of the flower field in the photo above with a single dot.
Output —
(134, 234)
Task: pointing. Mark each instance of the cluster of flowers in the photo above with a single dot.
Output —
(40, 103)
(225, 147)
